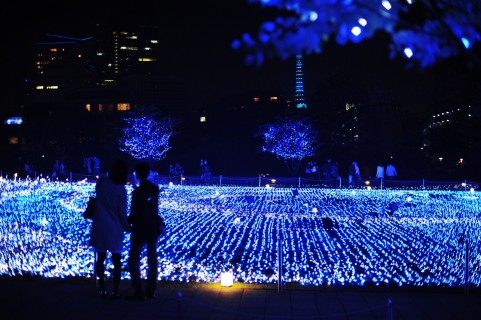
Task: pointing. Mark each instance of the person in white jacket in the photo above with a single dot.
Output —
(109, 222)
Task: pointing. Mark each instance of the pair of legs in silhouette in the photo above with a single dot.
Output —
(136, 248)
(100, 272)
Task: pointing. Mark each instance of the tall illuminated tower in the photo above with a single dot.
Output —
(299, 98)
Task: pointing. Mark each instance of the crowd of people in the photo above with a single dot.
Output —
(176, 172)
(92, 165)
(330, 171)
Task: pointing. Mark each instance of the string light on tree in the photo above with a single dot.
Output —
(290, 140)
(146, 138)
(447, 28)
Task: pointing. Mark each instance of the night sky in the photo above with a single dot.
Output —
(197, 37)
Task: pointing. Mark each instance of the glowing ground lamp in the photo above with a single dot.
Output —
(226, 279)
(368, 184)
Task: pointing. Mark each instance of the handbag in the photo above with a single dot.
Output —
(89, 211)
(160, 225)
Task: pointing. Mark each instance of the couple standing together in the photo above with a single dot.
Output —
(110, 222)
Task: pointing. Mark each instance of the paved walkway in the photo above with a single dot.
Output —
(37, 298)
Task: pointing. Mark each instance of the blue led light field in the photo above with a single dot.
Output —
(327, 236)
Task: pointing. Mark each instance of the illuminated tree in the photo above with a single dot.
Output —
(146, 138)
(422, 30)
(290, 140)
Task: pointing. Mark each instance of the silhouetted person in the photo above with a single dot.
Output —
(380, 172)
(327, 169)
(354, 173)
(109, 223)
(56, 169)
(143, 217)
(391, 172)
(96, 162)
(335, 171)
(207, 173)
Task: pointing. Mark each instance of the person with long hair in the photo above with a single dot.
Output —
(109, 223)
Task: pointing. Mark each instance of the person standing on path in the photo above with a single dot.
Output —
(144, 215)
(380, 172)
(109, 223)
(391, 172)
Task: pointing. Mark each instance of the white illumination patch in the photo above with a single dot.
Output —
(226, 279)
(362, 22)
(356, 31)
(386, 5)
(13, 121)
(466, 43)
(408, 52)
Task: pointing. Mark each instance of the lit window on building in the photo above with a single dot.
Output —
(256, 99)
(87, 107)
(39, 87)
(52, 88)
(273, 98)
(123, 106)
(349, 106)
(13, 140)
(203, 119)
